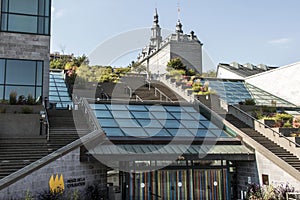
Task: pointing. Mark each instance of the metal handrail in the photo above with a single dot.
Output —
(137, 98)
(162, 94)
(130, 90)
(91, 116)
(292, 193)
(266, 126)
(149, 83)
(47, 125)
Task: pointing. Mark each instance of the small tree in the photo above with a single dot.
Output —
(176, 64)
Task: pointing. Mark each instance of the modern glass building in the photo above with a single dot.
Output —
(24, 47)
(168, 152)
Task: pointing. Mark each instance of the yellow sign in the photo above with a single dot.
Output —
(56, 183)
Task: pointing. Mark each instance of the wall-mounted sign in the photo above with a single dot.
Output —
(75, 182)
(56, 184)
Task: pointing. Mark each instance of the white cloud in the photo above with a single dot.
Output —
(280, 41)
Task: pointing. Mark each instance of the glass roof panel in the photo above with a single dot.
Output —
(149, 123)
(157, 132)
(112, 132)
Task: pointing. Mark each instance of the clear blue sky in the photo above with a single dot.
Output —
(257, 31)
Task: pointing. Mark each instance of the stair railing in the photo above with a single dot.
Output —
(266, 126)
(161, 95)
(47, 124)
(137, 98)
(90, 115)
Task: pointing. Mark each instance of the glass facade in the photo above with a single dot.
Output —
(30, 16)
(22, 76)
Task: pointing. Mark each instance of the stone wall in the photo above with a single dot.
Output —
(189, 52)
(28, 47)
(77, 176)
(246, 173)
(276, 174)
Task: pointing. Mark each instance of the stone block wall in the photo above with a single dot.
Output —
(28, 47)
(189, 52)
(77, 176)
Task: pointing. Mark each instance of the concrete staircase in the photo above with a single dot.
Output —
(63, 129)
(264, 141)
(17, 153)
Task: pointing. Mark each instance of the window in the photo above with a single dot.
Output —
(30, 16)
(22, 76)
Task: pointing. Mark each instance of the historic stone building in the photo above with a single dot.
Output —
(159, 52)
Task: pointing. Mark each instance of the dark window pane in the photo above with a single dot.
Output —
(25, 7)
(47, 8)
(21, 23)
(41, 7)
(20, 68)
(204, 133)
(4, 22)
(39, 74)
(41, 25)
(4, 6)
(182, 116)
(2, 68)
(1, 92)
(121, 114)
(47, 26)
(38, 92)
(191, 124)
(21, 90)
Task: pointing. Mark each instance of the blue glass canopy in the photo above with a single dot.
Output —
(145, 121)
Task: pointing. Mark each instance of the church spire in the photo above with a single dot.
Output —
(179, 25)
(156, 32)
(155, 17)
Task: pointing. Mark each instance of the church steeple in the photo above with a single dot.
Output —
(156, 32)
(179, 25)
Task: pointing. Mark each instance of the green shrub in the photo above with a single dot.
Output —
(3, 101)
(30, 100)
(2, 110)
(27, 110)
(287, 125)
(250, 102)
(284, 117)
(13, 98)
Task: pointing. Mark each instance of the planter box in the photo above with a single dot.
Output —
(288, 131)
(247, 108)
(18, 108)
(269, 122)
(209, 100)
(19, 125)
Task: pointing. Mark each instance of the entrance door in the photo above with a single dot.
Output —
(197, 184)
(209, 184)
